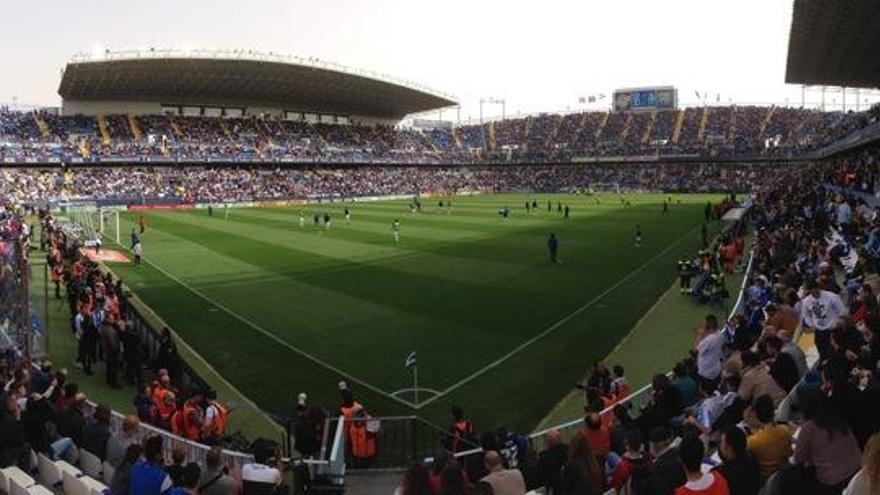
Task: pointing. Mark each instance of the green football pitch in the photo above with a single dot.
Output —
(278, 308)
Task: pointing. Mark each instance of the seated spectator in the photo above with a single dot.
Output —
(117, 444)
(259, 477)
(666, 472)
(548, 472)
(14, 450)
(867, 480)
(691, 457)
(783, 369)
(97, 433)
(738, 466)
(503, 481)
(793, 350)
(176, 469)
(148, 476)
(189, 482)
(631, 473)
(620, 385)
(825, 446)
(781, 317)
(685, 384)
(710, 408)
(770, 442)
(453, 481)
(756, 380)
(215, 478)
(72, 421)
(665, 404)
(121, 481)
(415, 481)
(513, 448)
(582, 474)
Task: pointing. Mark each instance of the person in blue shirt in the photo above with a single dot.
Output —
(553, 246)
(147, 476)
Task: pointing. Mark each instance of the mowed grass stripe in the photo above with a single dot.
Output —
(597, 250)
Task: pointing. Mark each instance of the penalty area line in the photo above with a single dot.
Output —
(552, 328)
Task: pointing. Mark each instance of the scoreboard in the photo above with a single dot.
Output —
(656, 98)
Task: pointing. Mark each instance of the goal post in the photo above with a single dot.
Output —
(91, 222)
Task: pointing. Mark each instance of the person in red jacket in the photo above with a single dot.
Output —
(690, 454)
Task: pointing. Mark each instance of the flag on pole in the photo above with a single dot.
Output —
(410, 362)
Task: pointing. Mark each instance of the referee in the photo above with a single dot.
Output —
(553, 247)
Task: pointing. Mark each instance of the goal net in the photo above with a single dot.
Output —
(90, 223)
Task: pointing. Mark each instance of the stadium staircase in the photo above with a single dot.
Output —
(626, 127)
(766, 121)
(679, 123)
(42, 126)
(489, 135)
(646, 137)
(551, 137)
(704, 120)
(456, 138)
(602, 125)
(525, 140)
(105, 132)
(178, 131)
(731, 133)
(135, 127)
(84, 148)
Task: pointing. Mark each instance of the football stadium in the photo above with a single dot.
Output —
(240, 271)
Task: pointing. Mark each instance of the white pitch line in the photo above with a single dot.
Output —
(274, 337)
(553, 327)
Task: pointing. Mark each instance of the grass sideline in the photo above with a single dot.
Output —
(63, 349)
(464, 278)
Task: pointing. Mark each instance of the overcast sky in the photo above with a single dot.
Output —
(537, 55)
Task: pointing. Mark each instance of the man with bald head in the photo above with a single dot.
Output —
(503, 481)
(548, 472)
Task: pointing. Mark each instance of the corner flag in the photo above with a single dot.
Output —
(410, 362)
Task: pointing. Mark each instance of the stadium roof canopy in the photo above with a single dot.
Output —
(835, 43)
(243, 78)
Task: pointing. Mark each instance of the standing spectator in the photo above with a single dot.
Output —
(769, 443)
(110, 345)
(121, 482)
(548, 472)
(503, 481)
(597, 434)
(118, 444)
(691, 456)
(132, 352)
(710, 348)
(415, 481)
(97, 432)
(821, 312)
(685, 384)
(582, 474)
(147, 476)
(144, 405)
(215, 479)
(738, 466)
(214, 425)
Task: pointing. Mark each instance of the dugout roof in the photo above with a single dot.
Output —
(834, 43)
(243, 78)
